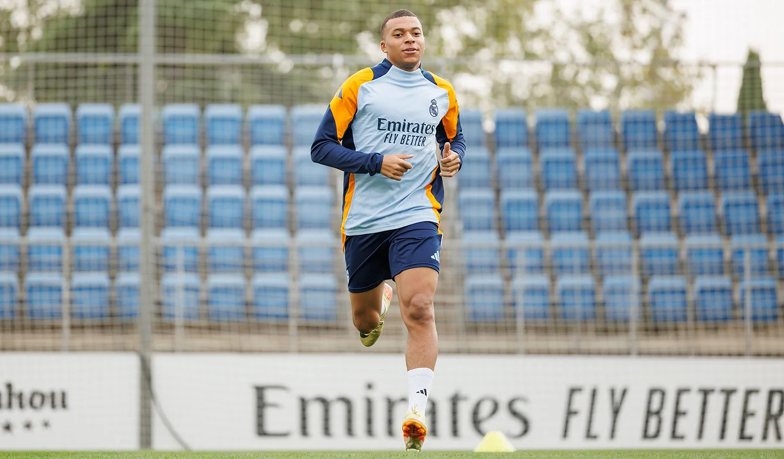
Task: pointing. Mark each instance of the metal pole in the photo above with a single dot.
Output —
(634, 303)
(147, 214)
(747, 300)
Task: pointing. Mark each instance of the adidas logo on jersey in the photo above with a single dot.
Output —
(436, 256)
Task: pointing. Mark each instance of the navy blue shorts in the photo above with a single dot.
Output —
(373, 258)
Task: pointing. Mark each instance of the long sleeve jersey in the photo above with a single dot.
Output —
(385, 110)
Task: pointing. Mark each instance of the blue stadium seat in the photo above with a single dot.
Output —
(45, 249)
(305, 120)
(313, 207)
(564, 210)
(13, 123)
(659, 254)
(559, 169)
(226, 297)
(514, 166)
(608, 211)
(531, 294)
(732, 170)
(90, 295)
(638, 130)
(224, 164)
(645, 169)
(697, 212)
(128, 250)
(50, 164)
(268, 165)
(11, 206)
(181, 124)
(614, 253)
(317, 250)
(552, 128)
(595, 129)
(128, 206)
(484, 297)
(180, 252)
(52, 123)
(667, 299)
(618, 293)
(182, 205)
(306, 172)
(741, 213)
(9, 295)
(476, 171)
(779, 255)
(223, 124)
(602, 169)
(471, 124)
(270, 249)
(704, 255)
(181, 164)
(226, 251)
(511, 128)
(770, 170)
(126, 291)
(756, 245)
(95, 124)
(689, 169)
(477, 209)
(680, 131)
(12, 164)
(481, 252)
(775, 206)
(94, 164)
(576, 297)
(92, 205)
(90, 248)
(651, 210)
(267, 125)
(269, 206)
(10, 250)
(519, 210)
(725, 132)
(570, 253)
(47, 205)
(226, 206)
(180, 296)
(128, 165)
(129, 124)
(713, 298)
(766, 131)
(44, 295)
(270, 293)
(764, 306)
(318, 297)
(525, 252)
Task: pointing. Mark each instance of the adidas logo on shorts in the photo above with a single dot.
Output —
(436, 256)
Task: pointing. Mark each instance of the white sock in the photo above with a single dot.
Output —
(420, 380)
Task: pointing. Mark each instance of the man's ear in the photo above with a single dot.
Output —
(383, 46)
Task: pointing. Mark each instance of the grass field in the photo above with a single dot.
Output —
(613, 454)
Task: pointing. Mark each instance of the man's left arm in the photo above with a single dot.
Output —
(450, 140)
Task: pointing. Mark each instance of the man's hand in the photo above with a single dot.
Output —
(394, 166)
(450, 162)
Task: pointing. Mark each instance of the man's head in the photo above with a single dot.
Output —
(402, 39)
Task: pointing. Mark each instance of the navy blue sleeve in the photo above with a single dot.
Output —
(327, 150)
(457, 144)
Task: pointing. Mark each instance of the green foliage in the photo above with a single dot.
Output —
(750, 96)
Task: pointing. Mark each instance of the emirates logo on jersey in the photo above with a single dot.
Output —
(433, 108)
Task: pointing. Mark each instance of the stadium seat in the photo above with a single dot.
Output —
(484, 297)
(13, 123)
(725, 132)
(9, 294)
(92, 206)
(226, 250)
(570, 253)
(226, 206)
(128, 197)
(180, 296)
(317, 297)
(270, 249)
(476, 171)
(595, 129)
(44, 295)
(559, 169)
(10, 250)
(770, 170)
(704, 255)
(659, 254)
(514, 166)
(764, 305)
(741, 213)
(713, 298)
(779, 255)
(129, 124)
(270, 293)
(638, 130)
(181, 164)
(224, 165)
(181, 124)
(52, 123)
(90, 249)
(226, 297)
(525, 252)
(552, 128)
(126, 291)
(50, 164)
(697, 212)
(651, 210)
(180, 252)
(305, 120)
(306, 172)
(732, 170)
(477, 209)
(223, 124)
(531, 295)
(602, 169)
(317, 250)
(313, 207)
(128, 165)
(269, 206)
(667, 299)
(775, 206)
(94, 164)
(95, 124)
(564, 211)
(519, 210)
(182, 205)
(614, 253)
(481, 252)
(645, 170)
(267, 125)
(576, 297)
(473, 132)
(268, 165)
(90, 295)
(608, 211)
(11, 206)
(766, 131)
(756, 245)
(47, 205)
(45, 249)
(680, 131)
(618, 294)
(128, 250)
(689, 170)
(511, 128)
(12, 164)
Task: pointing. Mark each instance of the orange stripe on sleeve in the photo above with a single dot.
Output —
(347, 204)
(433, 201)
(344, 104)
(450, 119)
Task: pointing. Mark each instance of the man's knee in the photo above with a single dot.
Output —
(365, 320)
(419, 309)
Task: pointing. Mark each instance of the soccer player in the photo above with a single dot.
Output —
(381, 130)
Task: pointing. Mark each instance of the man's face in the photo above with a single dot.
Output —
(404, 42)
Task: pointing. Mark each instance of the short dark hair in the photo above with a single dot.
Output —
(395, 15)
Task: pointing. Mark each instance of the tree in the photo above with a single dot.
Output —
(750, 96)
